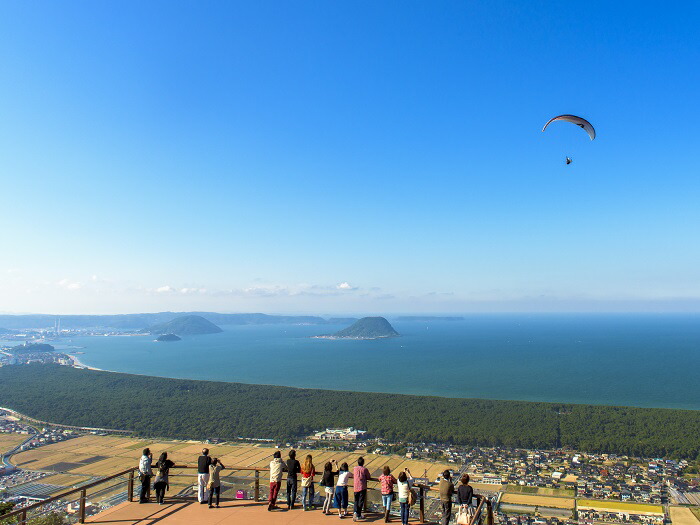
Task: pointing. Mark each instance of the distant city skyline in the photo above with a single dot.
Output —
(348, 157)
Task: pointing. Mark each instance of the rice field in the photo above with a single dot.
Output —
(100, 456)
(618, 506)
(538, 501)
(684, 516)
(8, 441)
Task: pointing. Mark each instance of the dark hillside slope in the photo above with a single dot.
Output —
(179, 408)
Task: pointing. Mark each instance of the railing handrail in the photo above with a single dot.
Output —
(64, 494)
(22, 512)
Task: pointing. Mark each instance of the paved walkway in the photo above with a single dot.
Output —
(231, 512)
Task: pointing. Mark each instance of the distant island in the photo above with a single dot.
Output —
(32, 348)
(365, 328)
(185, 325)
(425, 318)
(168, 338)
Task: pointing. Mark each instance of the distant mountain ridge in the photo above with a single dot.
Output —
(365, 328)
(185, 325)
(144, 320)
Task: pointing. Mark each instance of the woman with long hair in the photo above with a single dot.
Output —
(328, 483)
(307, 482)
(161, 483)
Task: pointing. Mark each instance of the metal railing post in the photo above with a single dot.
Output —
(421, 504)
(130, 487)
(81, 512)
(23, 518)
(257, 485)
(489, 512)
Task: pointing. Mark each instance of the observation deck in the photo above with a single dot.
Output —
(112, 501)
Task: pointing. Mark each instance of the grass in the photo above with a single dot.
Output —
(540, 491)
(616, 506)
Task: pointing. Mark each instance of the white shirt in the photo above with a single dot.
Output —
(145, 466)
(343, 478)
(404, 487)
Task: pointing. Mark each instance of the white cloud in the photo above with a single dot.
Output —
(69, 285)
(346, 286)
(165, 289)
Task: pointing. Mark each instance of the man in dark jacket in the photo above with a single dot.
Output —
(203, 463)
(293, 468)
(447, 489)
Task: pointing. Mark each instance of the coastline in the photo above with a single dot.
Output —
(79, 364)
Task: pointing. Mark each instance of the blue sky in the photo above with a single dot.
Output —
(333, 157)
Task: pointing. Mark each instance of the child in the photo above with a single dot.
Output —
(405, 482)
(328, 483)
(341, 490)
(387, 481)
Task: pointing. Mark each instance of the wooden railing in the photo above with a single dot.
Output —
(21, 514)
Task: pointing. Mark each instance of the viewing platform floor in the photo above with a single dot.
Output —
(247, 512)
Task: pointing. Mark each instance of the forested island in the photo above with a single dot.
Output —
(365, 328)
(189, 409)
(168, 338)
(31, 348)
(185, 325)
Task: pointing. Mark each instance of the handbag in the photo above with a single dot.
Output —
(412, 497)
(306, 482)
(463, 517)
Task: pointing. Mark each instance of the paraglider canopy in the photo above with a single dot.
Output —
(580, 122)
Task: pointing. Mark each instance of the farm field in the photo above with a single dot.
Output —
(540, 491)
(684, 516)
(696, 512)
(10, 440)
(617, 506)
(89, 456)
(539, 501)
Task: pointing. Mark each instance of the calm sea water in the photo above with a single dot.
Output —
(641, 360)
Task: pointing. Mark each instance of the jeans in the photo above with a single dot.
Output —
(291, 491)
(386, 500)
(274, 490)
(404, 513)
(446, 512)
(214, 491)
(307, 492)
(145, 488)
(360, 498)
(341, 497)
(160, 491)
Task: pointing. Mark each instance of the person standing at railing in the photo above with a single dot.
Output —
(465, 494)
(203, 464)
(405, 482)
(277, 467)
(341, 490)
(215, 481)
(388, 481)
(328, 484)
(145, 473)
(308, 471)
(161, 483)
(447, 490)
(293, 468)
(360, 475)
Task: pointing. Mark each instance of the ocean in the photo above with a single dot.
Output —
(631, 360)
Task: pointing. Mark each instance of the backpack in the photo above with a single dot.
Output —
(412, 497)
